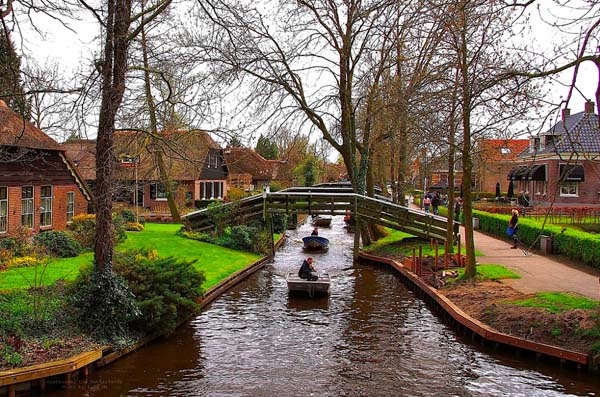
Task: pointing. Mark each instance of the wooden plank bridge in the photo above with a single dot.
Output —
(325, 201)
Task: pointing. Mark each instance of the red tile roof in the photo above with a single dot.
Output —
(492, 149)
(241, 160)
(14, 131)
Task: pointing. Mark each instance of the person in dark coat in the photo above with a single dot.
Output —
(308, 271)
(435, 203)
(456, 221)
(315, 232)
(514, 223)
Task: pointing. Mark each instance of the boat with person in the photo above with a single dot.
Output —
(315, 243)
(319, 286)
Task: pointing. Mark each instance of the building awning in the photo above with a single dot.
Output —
(518, 173)
(572, 172)
(537, 172)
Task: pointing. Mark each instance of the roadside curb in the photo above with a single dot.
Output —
(477, 328)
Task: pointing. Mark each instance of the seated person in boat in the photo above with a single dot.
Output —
(307, 270)
(315, 232)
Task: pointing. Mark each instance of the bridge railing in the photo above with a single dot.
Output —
(326, 201)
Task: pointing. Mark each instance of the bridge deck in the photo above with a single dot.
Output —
(327, 201)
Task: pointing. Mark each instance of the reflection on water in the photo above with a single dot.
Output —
(369, 337)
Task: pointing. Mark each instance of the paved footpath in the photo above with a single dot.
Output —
(538, 272)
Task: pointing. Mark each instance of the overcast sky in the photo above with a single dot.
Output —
(70, 49)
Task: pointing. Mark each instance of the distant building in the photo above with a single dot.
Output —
(193, 161)
(495, 159)
(39, 188)
(562, 165)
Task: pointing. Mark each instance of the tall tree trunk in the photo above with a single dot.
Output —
(164, 175)
(114, 67)
(467, 162)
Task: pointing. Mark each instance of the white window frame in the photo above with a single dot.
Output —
(46, 206)
(70, 206)
(569, 184)
(3, 209)
(27, 207)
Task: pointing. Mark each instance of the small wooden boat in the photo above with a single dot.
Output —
(315, 243)
(322, 221)
(312, 288)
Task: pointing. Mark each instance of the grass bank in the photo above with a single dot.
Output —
(216, 262)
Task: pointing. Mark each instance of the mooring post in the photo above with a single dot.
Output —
(436, 256)
(446, 246)
(356, 235)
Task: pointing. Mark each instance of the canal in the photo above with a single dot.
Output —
(370, 337)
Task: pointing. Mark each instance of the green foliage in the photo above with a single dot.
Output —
(220, 215)
(11, 87)
(275, 186)
(19, 244)
(241, 238)
(557, 302)
(133, 227)
(127, 215)
(58, 243)
(10, 356)
(83, 229)
(235, 193)
(266, 148)
(166, 290)
(33, 312)
(279, 222)
(105, 305)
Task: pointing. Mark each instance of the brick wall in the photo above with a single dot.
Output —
(589, 189)
(59, 207)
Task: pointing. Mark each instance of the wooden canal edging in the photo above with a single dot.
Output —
(23, 378)
(40, 372)
(477, 327)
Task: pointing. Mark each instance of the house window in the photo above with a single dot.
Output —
(46, 206)
(27, 207)
(70, 206)
(158, 191)
(569, 189)
(505, 150)
(3, 209)
(211, 190)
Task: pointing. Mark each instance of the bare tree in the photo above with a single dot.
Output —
(281, 54)
(119, 32)
(488, 100)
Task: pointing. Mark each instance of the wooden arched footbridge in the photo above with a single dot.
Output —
(325, 201)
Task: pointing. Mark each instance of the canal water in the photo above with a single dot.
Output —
(370, 337)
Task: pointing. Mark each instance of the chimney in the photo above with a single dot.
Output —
(566, 112)
(589, 107)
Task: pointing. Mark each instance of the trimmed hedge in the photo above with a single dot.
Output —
(576, 245)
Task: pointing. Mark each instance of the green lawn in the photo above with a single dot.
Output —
(490, 272)
(216, 262)
(397, 242)
(557, 302)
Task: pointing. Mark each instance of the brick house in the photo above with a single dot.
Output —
(248, 170)
(39, 188)
(495, 159)
(562, 165)
(192, 159)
